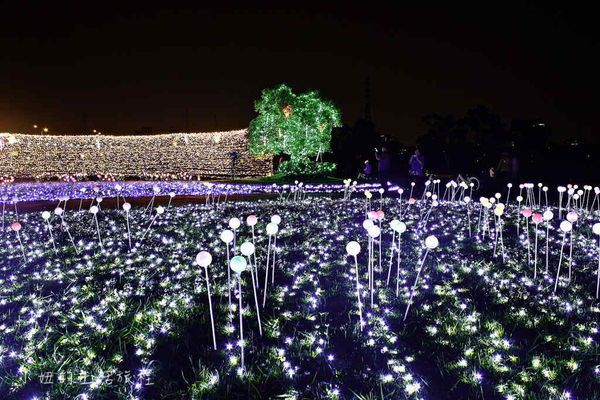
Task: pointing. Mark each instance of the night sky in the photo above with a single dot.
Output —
(132, 65)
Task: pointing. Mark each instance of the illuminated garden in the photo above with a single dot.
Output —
(346, 291)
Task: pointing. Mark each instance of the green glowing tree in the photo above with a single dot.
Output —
(298, 125)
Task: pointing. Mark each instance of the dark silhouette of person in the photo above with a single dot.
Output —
(416, 163)
(384, 163)
(504, 168)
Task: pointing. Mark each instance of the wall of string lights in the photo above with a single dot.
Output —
(204, 155)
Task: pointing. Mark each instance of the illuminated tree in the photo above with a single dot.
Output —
(298, 125)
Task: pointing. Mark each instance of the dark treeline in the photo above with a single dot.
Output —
(473, 144)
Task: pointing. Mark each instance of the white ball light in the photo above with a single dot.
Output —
(353, 248)
(431, 242)
(247, 249)
(566, 226)
(203, 259)
(160, 210)
(596, 228)
(374, 231)
(46, 215)
(227, 236)
(400, 227)
(367, 223)
(94, 209)
(58, 211)
(548, 215)
(272, 228)
(238, 264)
(234, 223)
(126, 206)
(276, 219)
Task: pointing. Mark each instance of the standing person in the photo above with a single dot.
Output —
(416, 164)
(384, 163)
(504, 168)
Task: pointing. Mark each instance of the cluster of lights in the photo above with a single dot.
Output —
(56, 308)
(26, 192)
(177, 154)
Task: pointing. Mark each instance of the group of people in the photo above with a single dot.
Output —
(384, 164)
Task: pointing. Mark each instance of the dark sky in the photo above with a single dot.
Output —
(128, 65)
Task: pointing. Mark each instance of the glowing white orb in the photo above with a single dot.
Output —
(203, 259)
(272, 228)
(126, 206)
(374, 231)
(276, 219)
(548, 215)
(353, 248)
(566, 226)
(400, 227)
(431, 242)
(234, 223)
(247, 249)
(227, 236)
(160, 210)
(596, 228)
